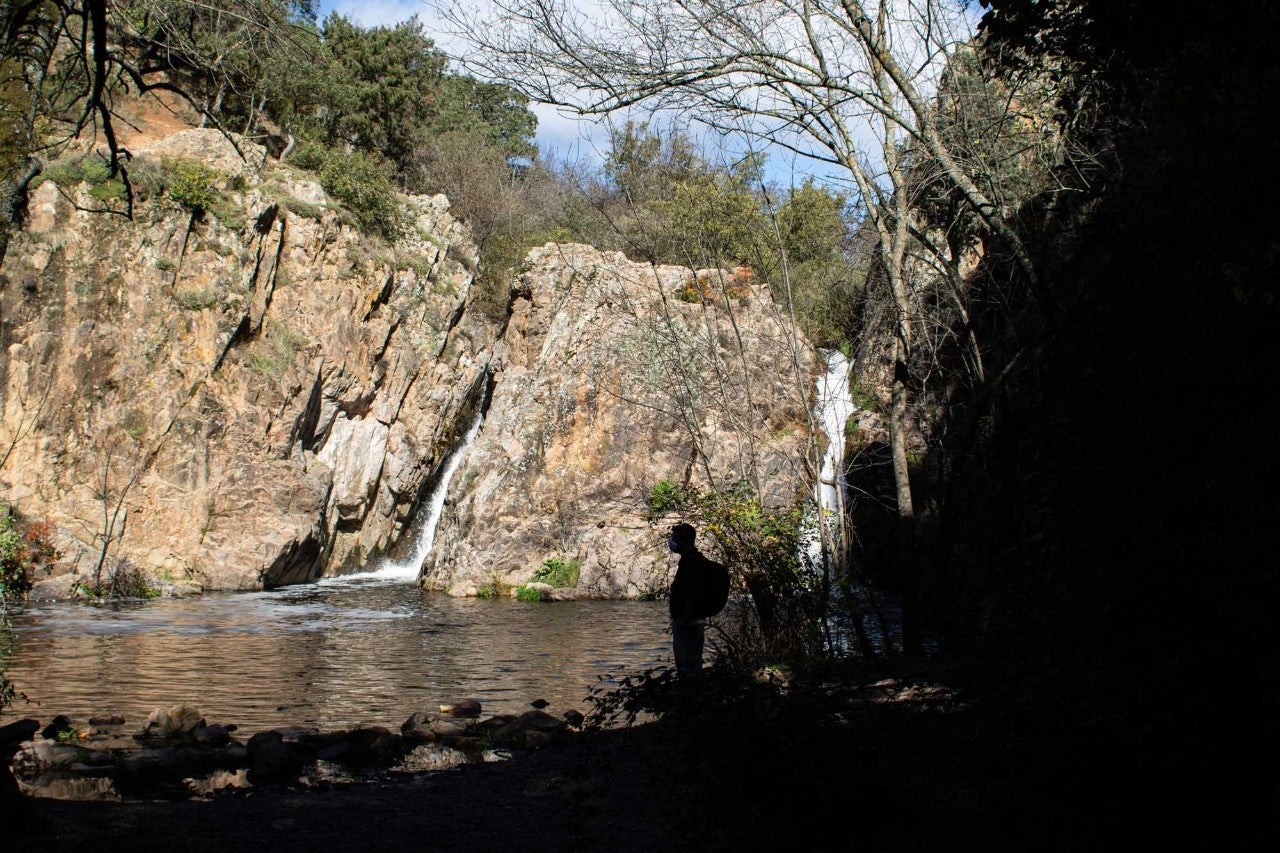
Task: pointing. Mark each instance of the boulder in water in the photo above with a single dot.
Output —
(539, 721)
(417, 727)
(213, 735)
(271, 759)
(171, 723)
(446, 728)
(60, 726)
(462, 708)
(373, 747)
(530, 729)
(14, 734)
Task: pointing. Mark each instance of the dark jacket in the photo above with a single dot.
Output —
(700, 588)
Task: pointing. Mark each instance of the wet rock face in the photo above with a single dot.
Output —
(607, 382)
(241, 400)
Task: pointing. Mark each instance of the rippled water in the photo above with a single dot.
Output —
(331, 654)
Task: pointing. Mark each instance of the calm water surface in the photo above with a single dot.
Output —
(331, 654)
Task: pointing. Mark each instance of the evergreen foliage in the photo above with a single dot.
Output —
(558, 573)
(191, 184)
(362, 182)
(658, 198)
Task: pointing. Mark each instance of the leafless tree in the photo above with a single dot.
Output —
(847, 83)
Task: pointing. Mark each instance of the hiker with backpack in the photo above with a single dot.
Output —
(698, 592)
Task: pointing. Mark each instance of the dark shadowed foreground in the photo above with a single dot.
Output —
(877, 760)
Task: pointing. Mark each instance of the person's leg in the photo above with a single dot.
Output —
(687, 638)
(698, 631)
(680, 644)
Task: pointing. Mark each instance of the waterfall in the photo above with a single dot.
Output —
(832, 408)
(411, 567)
(823, 522)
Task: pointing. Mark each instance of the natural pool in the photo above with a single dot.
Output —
(332, 654)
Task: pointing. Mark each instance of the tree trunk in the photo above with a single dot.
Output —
(912, 642)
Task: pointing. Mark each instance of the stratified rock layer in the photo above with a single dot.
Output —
(611, 377)
(249, 399)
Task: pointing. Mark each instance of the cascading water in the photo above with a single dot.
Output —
(411, 567)
(832, 408)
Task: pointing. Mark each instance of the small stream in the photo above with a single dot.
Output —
(361, 649)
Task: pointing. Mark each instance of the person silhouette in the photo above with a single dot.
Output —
(698, 592)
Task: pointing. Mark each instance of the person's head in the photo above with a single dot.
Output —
(681, 538)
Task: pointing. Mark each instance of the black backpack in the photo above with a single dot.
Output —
(716, 592)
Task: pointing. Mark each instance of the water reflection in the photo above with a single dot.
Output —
(330, 654)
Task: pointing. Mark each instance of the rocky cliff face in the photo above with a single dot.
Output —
(611, 377)
(259, 395)
(243, 400)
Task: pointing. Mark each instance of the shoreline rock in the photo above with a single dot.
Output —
(178, 755)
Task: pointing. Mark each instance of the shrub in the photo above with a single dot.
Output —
(72, 171)
(712, 287)
(361, 182)
(123, 580)
(761, 547)
(108, 191)
(14, 581)
(665, 496)
(148, 177)
(864, 399)
(298, 207)
(493, 589)
(272, 354)
(22, 551)
(87, 169)
(197, 298)
(191, 184)
(194, 185)
(528, 593)
(558, 573)
(8, 693)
